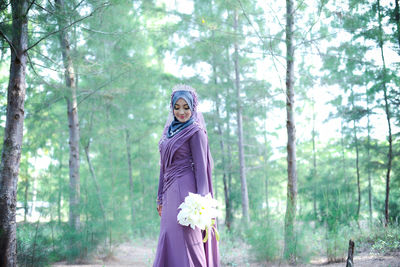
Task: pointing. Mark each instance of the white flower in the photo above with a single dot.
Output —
(198, 211)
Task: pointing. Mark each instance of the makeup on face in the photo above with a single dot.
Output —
(182, 110)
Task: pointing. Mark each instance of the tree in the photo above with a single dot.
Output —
(243, 180)
(290, 214)
(387, 112)
(13, 133)
(73, 119)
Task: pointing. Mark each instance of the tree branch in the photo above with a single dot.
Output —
(45, 9)
(10, 43)
(102, 86)
(29, 7)
(66, 27)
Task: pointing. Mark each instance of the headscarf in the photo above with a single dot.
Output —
(176, 126)
(168, 146)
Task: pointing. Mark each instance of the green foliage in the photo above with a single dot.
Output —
(379, 239)
(40, 244)
(264, 238)
(336, 243)
(34, 245)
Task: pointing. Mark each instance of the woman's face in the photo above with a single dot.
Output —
(182, 111)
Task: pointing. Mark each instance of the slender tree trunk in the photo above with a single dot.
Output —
(388, 115)
(26, 196)
(368, 161)
(73, 121)
(348, 195)
(13, 134)
(228, 164)
(290, 216)
(397, 18)
(131, 195)
(59, 190)
(228, 102)
(229, 153)
(357, 159)
(96, 184)
(266, 171)
(357, 170)
(314, 171)
(223, 152)
(245, 198)
(228, 212)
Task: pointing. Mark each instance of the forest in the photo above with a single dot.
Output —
(301, 101)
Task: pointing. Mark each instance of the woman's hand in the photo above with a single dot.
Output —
(159, 208)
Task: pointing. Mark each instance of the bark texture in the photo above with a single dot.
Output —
(73, 121)
(13, 133)
(290, 215)
(349, 261)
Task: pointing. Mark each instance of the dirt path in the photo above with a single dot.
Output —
(141, 254)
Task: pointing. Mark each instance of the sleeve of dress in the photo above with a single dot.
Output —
(160, 187)
(198, 147)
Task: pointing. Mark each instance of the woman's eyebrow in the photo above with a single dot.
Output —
(177, 105)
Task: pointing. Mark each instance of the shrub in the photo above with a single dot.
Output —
(264, 240)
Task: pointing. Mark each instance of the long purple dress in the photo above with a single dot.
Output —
(186, 166)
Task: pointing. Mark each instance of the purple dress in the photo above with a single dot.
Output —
(186, 166)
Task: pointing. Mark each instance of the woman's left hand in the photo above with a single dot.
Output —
(159, 208)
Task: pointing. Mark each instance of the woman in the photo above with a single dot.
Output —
(186, 166)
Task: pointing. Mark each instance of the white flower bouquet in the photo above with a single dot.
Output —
(199, 211)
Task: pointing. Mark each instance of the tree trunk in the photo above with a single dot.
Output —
(228, 129)
(131, 196)
(26, 195)
(346, 182)
(357, 159)
(59, 197)
(245, 198)
(96, 184)
(73, 121)
(357, 170)
(266, 171)
(349, 261)
(387, 112)
(397, 19)
(13, 134)
(290, 216)
(368, 162)
(314, 171)
(229, 152)
(228, 213)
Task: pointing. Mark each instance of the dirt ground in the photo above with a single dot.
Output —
(141, 254)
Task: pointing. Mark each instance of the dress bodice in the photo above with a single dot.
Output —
(183, 152)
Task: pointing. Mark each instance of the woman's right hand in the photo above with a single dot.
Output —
(159, 208)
